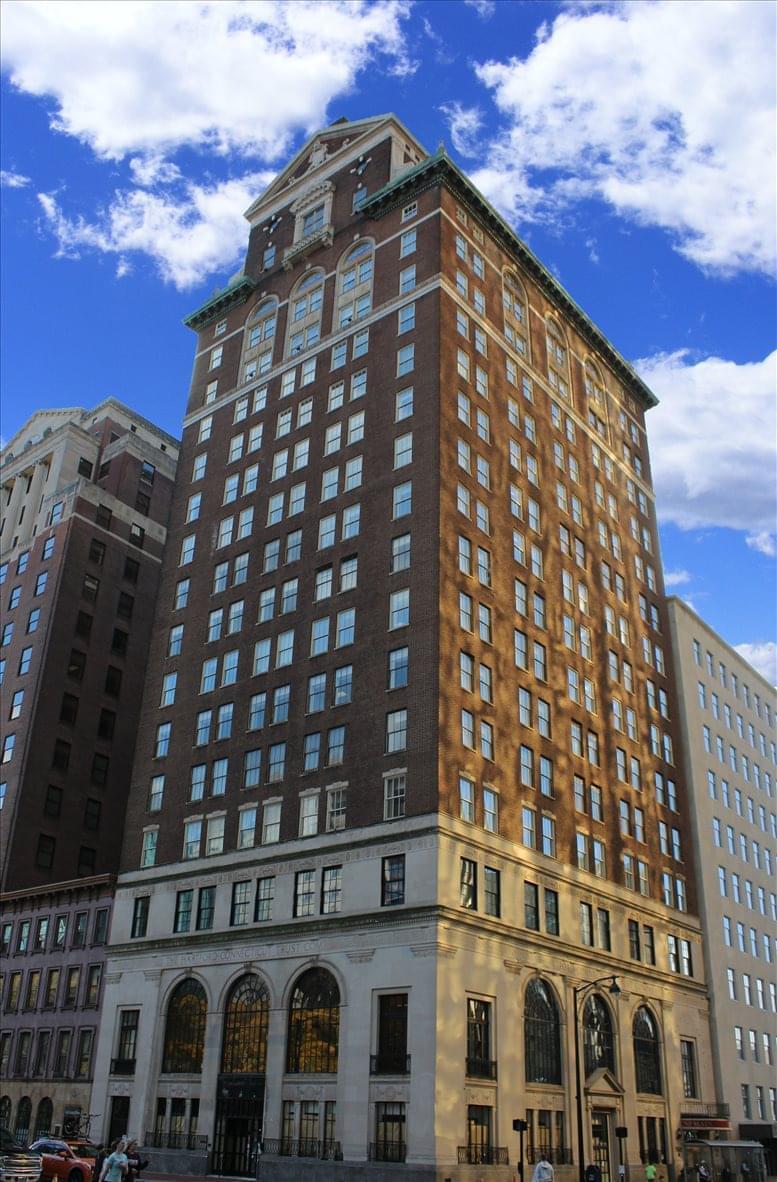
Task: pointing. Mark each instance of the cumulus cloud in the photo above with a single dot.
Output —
(190, 231)
(648, 107)
(465, 124)
(763, 542)
(763, 658)
(141, 80)
(234, 76)
(12, 180)
(151, 170)
(713, 441)
(676, 578)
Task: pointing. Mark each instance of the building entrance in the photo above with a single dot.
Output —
(600, 1140)
(238, 1132)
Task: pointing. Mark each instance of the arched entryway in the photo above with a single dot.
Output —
(240, 1095)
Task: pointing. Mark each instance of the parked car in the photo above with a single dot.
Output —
(64, 1162)
(17, 1162)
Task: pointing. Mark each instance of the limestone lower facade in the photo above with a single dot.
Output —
(397, 1038)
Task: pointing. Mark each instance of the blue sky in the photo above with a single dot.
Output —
(632, 146)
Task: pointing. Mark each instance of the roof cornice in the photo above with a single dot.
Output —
(440, 169)
(220, 302)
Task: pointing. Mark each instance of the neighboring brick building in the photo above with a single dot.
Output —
(405, 782)
(85, 502)
(728, 716)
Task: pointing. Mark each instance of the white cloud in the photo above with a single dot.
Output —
(763, 658)
(189, 232)
(484, 8)
(142, 79)
(663, 110)
(713, 441)
(12, 180)
(151, 170)
(676, 578)
(465, 124)
(763, 542)
(148, 77)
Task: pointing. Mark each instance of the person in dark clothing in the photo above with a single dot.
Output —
(134, 1162)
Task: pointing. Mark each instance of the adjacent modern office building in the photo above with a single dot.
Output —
(407, 834)
(85, 501)
(728, 719)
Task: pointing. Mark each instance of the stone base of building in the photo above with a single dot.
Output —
(284, 1169)
(176, 1161)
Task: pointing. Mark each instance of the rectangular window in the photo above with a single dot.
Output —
(394, 790)
(393, 880)
(468, 884)
(304, 893)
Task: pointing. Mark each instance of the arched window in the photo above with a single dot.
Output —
(43, 1117)
(558, 363)
(597, 1036)
(185, 1029)
(5, 1112)
(259, 339)
(305, 308)
(594, 386)
(314, 1023)
(245, 1027)
(354, 284)
(542, 1036)
(647, 1062)
(516, 315)
(23, 1118)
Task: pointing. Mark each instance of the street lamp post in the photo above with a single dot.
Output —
(578, 992)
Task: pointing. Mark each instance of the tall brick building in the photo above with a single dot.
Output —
(406, 784)
(85, 501)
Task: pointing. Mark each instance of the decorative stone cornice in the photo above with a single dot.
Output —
(221, 302)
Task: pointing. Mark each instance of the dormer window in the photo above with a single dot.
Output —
(313, 221)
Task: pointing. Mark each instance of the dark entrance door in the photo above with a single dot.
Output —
(119, 1122)
(600, 1138)
(239, 1111)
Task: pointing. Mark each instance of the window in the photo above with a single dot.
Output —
(542, 1036)
(491, 891)
(331, 890)
(140, 917)
(394, 791)
(314, 1023)
(402, 500)
(466, 799)
(392, 880)
(468, 884)
(688, 1067)
(397, 668)
(148, 851)
(646, 1053)
(396, 731)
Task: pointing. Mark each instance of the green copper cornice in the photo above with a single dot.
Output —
(220, 302)
(439, 168)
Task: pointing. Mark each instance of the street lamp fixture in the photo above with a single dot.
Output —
(579, 992)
